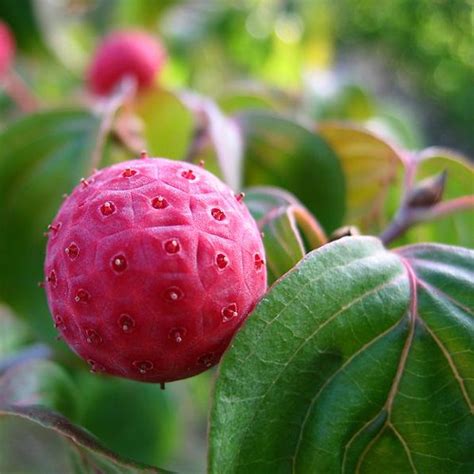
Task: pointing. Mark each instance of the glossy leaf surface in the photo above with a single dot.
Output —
(358, 360)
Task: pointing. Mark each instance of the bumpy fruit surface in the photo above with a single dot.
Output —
(125, 53)
(151, 267)
(7, 48)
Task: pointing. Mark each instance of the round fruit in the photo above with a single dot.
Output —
(125, 53)
(7, 47)
(151, 267)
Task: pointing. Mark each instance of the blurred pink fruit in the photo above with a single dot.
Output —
(125, 53)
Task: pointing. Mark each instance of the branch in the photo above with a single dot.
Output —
(408, 217)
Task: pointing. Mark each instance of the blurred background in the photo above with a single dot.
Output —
(403, 68)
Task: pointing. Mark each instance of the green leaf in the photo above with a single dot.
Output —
(232, 102)
(456, 228)
(41, 157)
(283, 243)
(285, 224)
(22, 19)
(372, 167)
(168, 124)
(358, 360)
(240, 96)
(39, 382)
(283, 153)
(35, 439)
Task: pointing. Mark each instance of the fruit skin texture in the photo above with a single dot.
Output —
(151, 267)
(7, 47)
(125, 53)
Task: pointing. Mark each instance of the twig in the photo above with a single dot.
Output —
(408, 217)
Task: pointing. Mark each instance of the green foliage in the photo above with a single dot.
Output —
(283, 243)
(160, 112)
(60, 447)
(123, 414)
(360, 356)
(42, 156)
(349, 363)
(371, 167)
(282, 153)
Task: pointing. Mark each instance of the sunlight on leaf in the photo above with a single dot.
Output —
(371, 166)
(168, 124)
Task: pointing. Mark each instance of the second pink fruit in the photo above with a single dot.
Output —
(7, 48)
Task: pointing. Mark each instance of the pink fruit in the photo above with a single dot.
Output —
(151, 267)
(7, 47)
(125, 53)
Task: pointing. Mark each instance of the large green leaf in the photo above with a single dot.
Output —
(282, 153)
(41, 157)
(358, 360)
(37, 440)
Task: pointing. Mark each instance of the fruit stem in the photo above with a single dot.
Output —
(122, 94)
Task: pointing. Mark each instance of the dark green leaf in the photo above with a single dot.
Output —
(22, 20)
(283, 153)
(37, 440)
(41, 157)
(358, 360)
